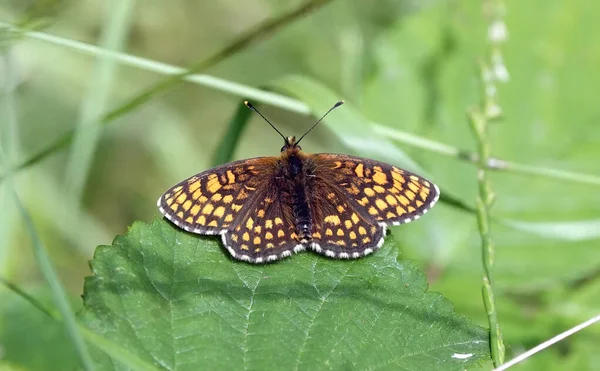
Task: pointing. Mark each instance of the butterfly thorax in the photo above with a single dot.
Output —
(296, 176)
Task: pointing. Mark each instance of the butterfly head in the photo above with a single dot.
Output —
(290, 143)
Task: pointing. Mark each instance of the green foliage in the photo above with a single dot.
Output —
(30, 339)
(180, 302)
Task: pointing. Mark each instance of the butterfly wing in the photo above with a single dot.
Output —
(211, 201)
(354, 199)
(341, 228)
(388, 194)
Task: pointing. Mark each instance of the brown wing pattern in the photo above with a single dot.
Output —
(265, 231)
(385, 193)
(209, 202)
(340, 228)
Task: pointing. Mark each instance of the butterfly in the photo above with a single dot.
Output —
(268, 208)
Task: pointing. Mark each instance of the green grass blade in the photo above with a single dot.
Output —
(58, 291)
(9, 151)
(88, 130)
(577, 230)
(224, 151)
(28, 298)
(260, 32)
(258, 95)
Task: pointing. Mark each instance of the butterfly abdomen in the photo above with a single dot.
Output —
(297, 174)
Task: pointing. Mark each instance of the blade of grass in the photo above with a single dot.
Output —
(58, 292)
(250, 37)
(28, 298)
(577, 230)
(9, 146)
(87, 131)
(113, 350)
(492, 163)
(282, 102)
(224, 151)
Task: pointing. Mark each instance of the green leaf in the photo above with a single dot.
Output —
(179, 301)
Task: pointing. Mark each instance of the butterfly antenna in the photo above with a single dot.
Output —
(249, 105)
(316, 123)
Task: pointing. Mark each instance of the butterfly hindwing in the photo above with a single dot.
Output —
(265, 231)
(340, 229)
(209, 202)
(387, 194)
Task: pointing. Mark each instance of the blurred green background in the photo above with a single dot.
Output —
(408, 65)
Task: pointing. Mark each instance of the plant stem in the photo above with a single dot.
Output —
(492, 70)
(484, 201)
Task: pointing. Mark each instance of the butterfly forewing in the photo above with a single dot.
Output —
(383, 192)
(210, 202)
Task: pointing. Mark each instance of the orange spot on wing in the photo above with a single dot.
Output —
(380, 178)
(359, 170)
(381, 204)
(332, 219)
(207, 209)
(219, 212)
(194, 186)
(230, 177)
